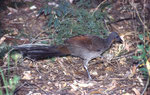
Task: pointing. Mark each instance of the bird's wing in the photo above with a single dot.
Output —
(91, 43)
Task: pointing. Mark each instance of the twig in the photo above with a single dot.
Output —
(147, 83)
(138, 14)
(18, 88)
(34, 39)
(6, 68)
(98, 7)
(106, 25)
(126, 55)
(119, 20)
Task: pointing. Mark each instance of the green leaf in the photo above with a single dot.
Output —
(1, 93)
(16, 79)
(16, 56)
(44, 42)
(148, 50)
(141, 37)
(143, 69)
(50, 21)
(135, 57)
(58, 12)
(49, 10)
(56, 23)
(46, 11)
(41, 10)
(143, 56)
(10, 82)
(141, 47)
(53, 59)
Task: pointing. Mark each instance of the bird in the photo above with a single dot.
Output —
(86, 47)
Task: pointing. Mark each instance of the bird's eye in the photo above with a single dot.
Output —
(117, 36)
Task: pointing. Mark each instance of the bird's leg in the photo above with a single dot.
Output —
(86, 68)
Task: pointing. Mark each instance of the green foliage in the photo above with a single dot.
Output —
(56, 12)
(84, 3)
(3, 32)
(91, 4)
(3, 49)
(15, 56)
(9, 84)
(144, 72)
(83, 23)
(143, 51)
(65, 21)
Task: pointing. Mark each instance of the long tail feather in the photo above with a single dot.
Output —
(38, 52)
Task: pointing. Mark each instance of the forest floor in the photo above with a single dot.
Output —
(66, 75)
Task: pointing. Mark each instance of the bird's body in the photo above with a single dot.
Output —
(86, 47)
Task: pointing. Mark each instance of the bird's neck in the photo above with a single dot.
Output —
(109, 41)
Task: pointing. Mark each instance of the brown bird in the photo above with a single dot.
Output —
(86, 47)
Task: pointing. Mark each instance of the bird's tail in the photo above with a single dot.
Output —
(38, 52)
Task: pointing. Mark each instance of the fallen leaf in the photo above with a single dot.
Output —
(12, 10)
(2, 39)
(148, 66)
(99, 91)
(27, 75)
(133, 71)
(136, 91)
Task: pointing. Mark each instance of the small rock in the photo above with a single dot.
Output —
(33, 7)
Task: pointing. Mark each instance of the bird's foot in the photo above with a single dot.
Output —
(90, 78)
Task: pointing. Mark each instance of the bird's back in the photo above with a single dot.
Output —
(86, 46)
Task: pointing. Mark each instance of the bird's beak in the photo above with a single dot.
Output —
(119, 40)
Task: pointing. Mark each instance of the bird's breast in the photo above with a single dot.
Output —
(91, 54)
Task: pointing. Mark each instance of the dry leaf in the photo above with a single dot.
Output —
(12, 10)
(122, 61)
(126, 94)
(148, 66)
(11, 40)
(133, 71)
(2, 40)
(27, 75)
(136, 91)
(99, 91)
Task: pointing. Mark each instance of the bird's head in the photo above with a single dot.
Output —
(115, 37)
